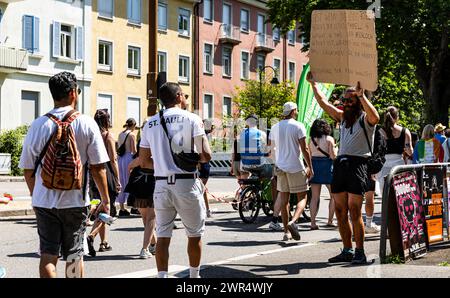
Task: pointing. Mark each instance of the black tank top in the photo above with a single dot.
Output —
(396, 145)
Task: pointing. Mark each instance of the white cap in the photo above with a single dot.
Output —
(288, 107)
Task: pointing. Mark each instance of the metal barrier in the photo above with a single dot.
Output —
(419, 168)
(5, 163)
(220, 163)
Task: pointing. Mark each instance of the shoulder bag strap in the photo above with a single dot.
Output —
(320, 149)
(44, 150)
(164, 126)
(361, 122)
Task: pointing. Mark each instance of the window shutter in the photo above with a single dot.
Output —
(56, 39)
(27, 33)
(129, 7)
(79, 44)
(36, 35)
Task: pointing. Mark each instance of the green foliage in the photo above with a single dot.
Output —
(444, 264)
(247, 99)
(394, 259)
(11, 142)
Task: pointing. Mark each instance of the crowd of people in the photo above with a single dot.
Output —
(162, 171)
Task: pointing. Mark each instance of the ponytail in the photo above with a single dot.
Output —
(390, 118)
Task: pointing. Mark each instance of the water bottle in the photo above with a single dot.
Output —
(106, 218)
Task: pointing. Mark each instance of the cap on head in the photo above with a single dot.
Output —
(439, 127)
(288, 107)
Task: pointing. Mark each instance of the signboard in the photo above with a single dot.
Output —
(410, 213)
(447, 208)
(432, 200)
(308, 108)
(343, 48)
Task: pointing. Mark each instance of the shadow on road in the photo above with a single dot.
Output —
(33, 255)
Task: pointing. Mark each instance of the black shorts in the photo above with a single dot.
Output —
(370, 183)
(350, 175)
(205, 169)
(62, 231)
(141, 184)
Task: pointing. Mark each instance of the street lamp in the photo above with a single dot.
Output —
(273, 82)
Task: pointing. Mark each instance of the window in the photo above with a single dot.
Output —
(226, 14)
(105, 51)
(226, 61)
(183, 69)
(292, 71)
(162, 16)
(134, 109)
(291, 37)
(245, 65)
(277, 67)
(184, 21)
(208, 6)
(276, 34)
(67, 41)
(106, 8)
(208, 58)
(134, 11)
(260, 62)
(134, 60)
(30, 33)
(29, 107)
(208, 106)
(162, 61)
(104, 101)
(245, 20)
(226, 110)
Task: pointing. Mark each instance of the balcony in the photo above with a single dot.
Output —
(230, 34)
(13, 59)
(264, 43)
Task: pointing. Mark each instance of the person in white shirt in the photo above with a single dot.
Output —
(177, 191)
(62, 215)
(287, 139)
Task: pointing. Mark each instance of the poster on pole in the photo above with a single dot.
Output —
(343, 48)
(432, 200)
(308, 108)
(411, 215)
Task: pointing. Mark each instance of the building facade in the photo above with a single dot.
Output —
(235, 41)
(35, 43)
(120, 35)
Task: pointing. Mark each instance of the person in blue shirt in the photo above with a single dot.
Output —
(439, 133)
(252, 145)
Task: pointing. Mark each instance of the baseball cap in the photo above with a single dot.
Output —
(288, 107)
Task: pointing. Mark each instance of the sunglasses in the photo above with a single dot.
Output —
(347, 99)
(78, 90)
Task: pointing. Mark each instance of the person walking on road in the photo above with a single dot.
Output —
(62, 214)
(179, 134)
(321, 146)
(428, 149)
(127, 148)
(350, 171)
(287, 139)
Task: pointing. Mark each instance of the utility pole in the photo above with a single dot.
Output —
(152, 57)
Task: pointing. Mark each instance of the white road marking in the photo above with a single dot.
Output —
(150, 272)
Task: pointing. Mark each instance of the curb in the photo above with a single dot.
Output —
(20, 212)
(12, 179)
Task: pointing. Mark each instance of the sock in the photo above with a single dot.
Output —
(347, 250)
(369, 221)
(361, 250)
(163, 274)
(194, 272)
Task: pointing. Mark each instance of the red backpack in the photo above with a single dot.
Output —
(61, 167)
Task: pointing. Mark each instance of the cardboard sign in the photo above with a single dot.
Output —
(410, 213)
(343, 48)
(432, 200)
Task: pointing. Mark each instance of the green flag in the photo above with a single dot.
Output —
(308, 108)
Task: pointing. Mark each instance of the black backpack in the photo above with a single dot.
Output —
(377, 160)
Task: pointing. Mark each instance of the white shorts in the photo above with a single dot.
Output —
(185, 197)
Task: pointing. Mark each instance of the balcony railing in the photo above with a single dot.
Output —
(264, 43)
(230, 34)
(12, 59)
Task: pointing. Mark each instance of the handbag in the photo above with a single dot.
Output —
(186, 161)
(121, 150)
(376, 161)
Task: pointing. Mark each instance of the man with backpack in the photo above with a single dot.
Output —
(354, 163)
(57, 152)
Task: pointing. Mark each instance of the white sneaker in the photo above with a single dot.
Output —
(287, 237)
(145, 254)
(275, 226)
(372, 229)
(152, 249)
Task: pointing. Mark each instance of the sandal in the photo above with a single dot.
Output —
(331, 225)
(104, 246)
(313, 228)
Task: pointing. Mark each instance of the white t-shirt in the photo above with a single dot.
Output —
(182, 126)
(286, 135)
(90, 146)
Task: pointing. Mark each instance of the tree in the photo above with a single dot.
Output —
(415, 34)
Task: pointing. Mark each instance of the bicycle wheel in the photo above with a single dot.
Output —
(249, 204)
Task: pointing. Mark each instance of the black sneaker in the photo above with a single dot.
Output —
(135, 211)
(359, 258)
(90, 243)
(124, 213)
(343, 257)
